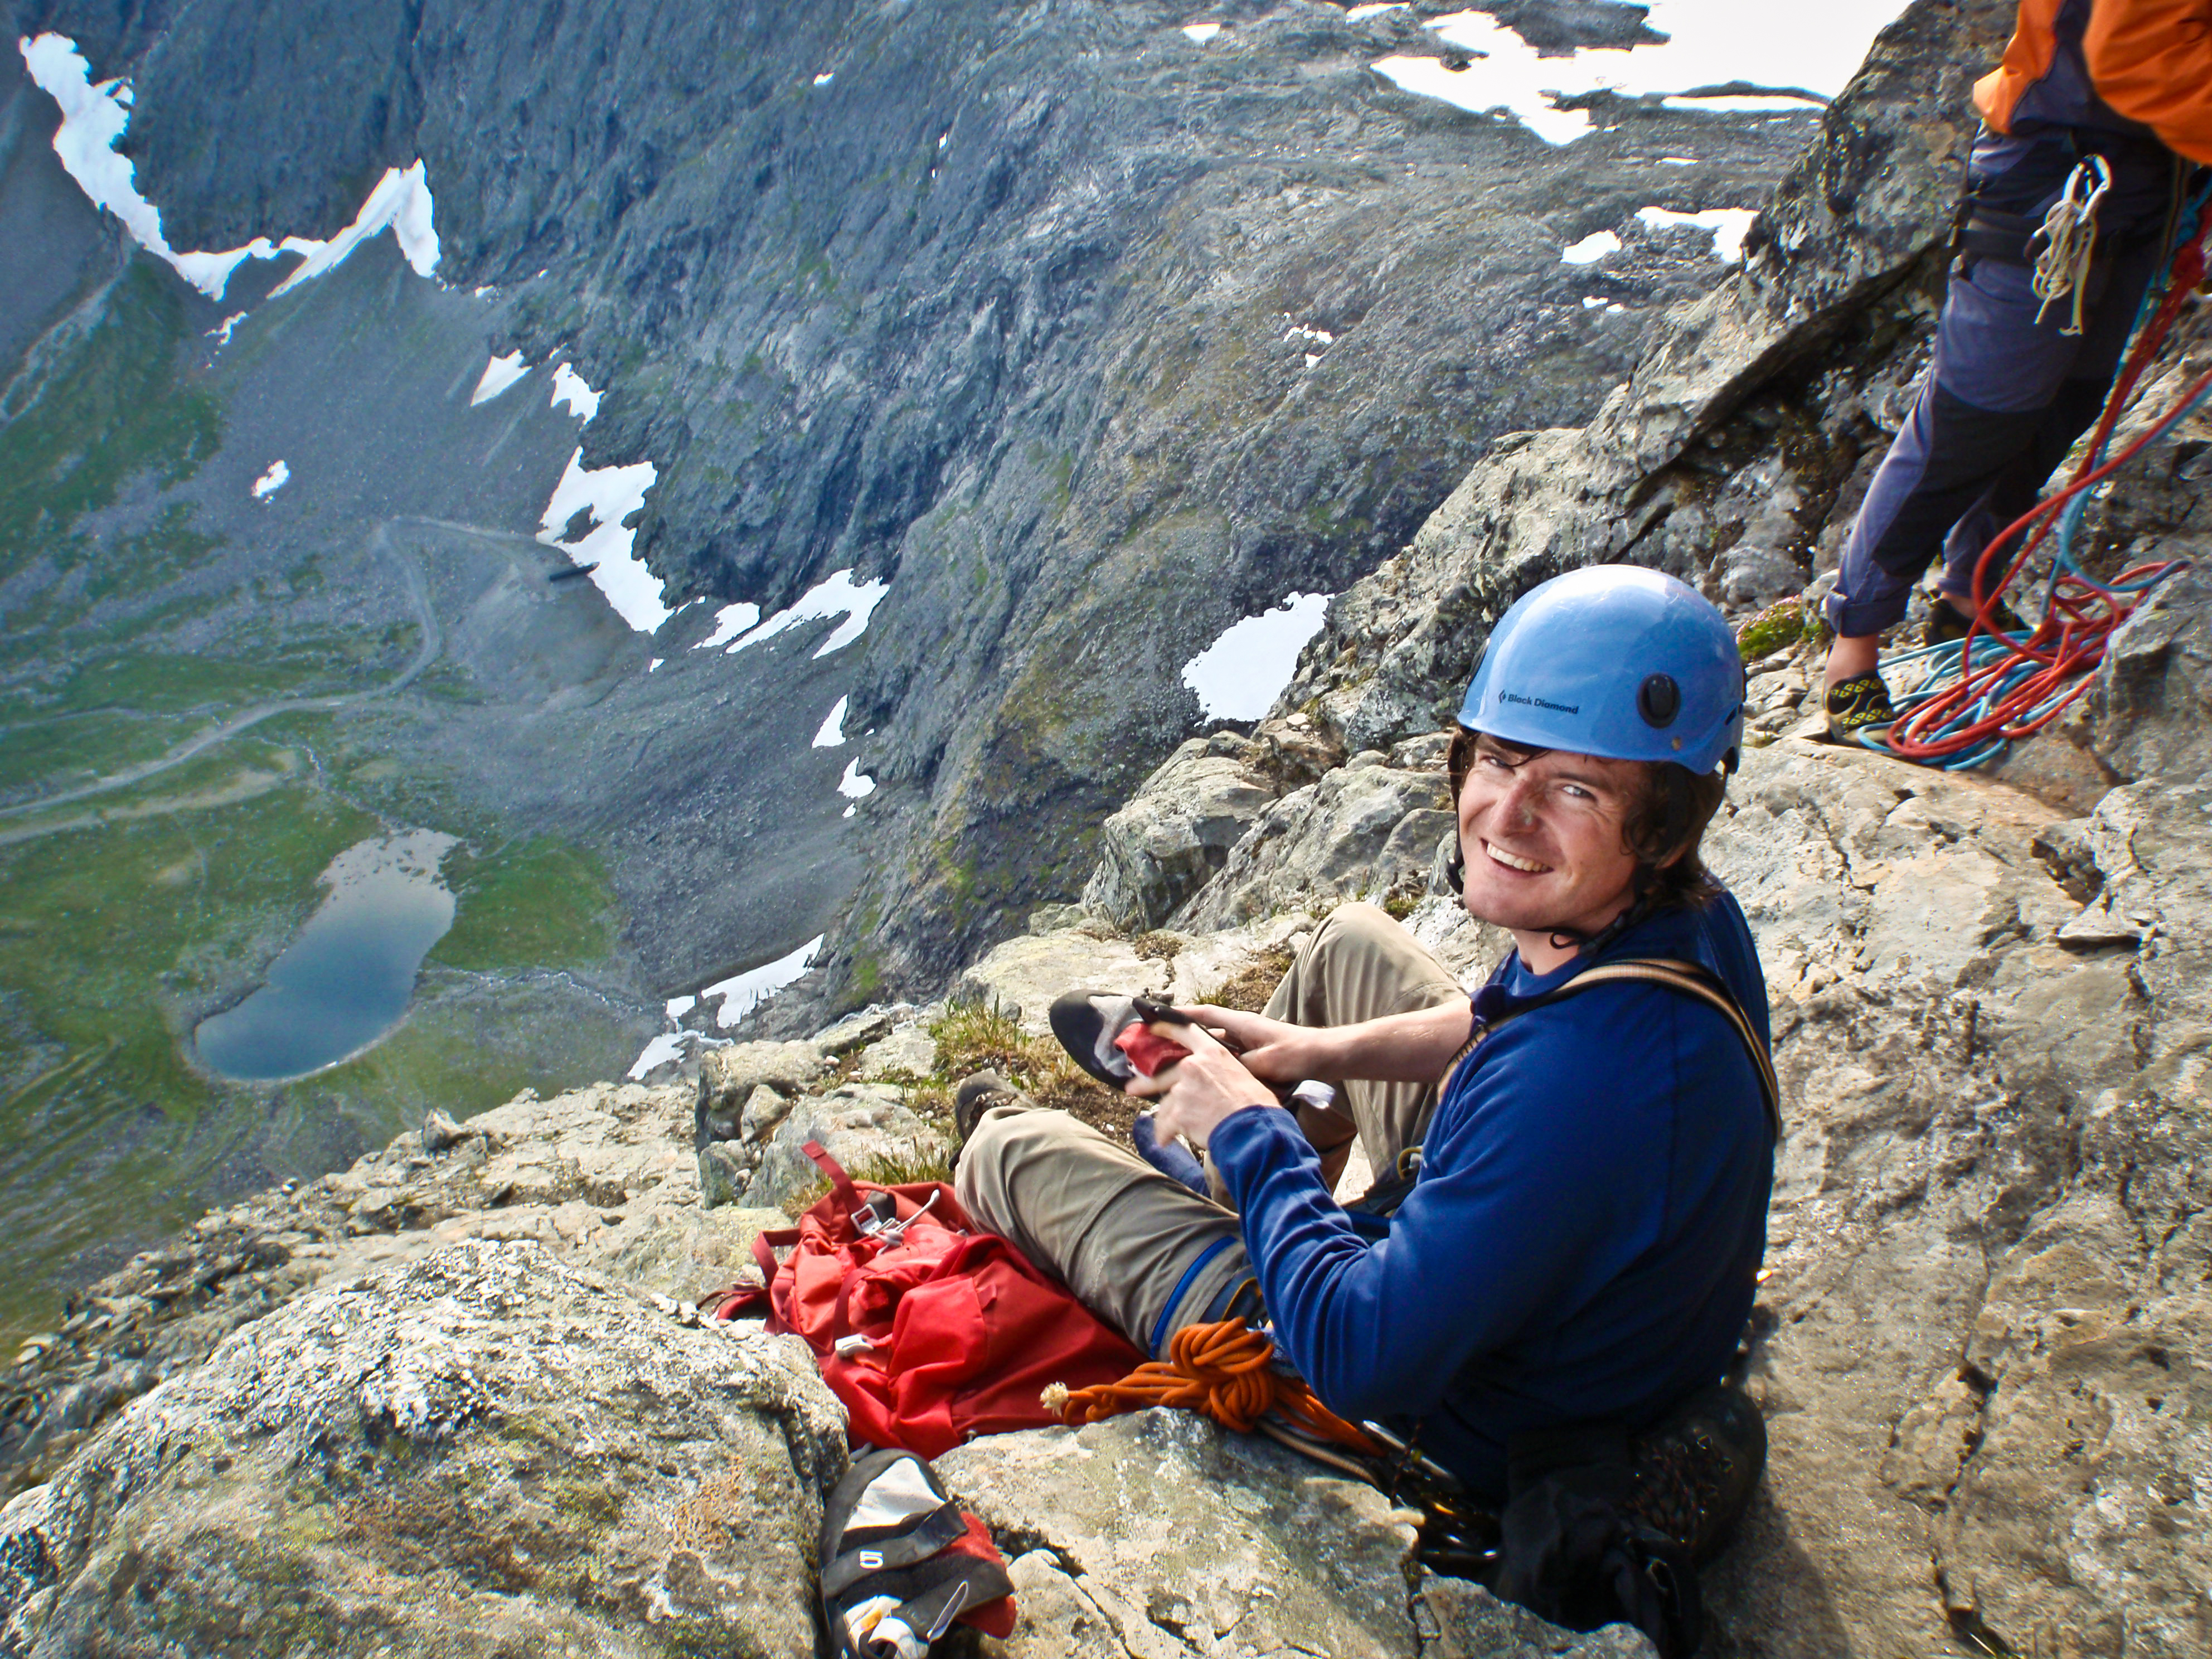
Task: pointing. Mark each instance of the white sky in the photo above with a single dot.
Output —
(743, 993)
(832, 734)
(1240, 675)
(1711, 42)
(835, 595)
(613, 494)
(499, 373)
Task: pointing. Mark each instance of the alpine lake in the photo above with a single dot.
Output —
(231, 964)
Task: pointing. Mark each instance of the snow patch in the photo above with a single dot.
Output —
(270, 481)
(614, 494)
(730, 621)
(1591, 249)
(94, 119)
(1200, 33)
(669, 1045)
(1806, 54)
(1240, 674)
(743, 993)
(826, 78)
(835, 595)
(1361, 13)
(1729, 226)
(1743, 103)
(832, 734)
(499, 373)
(569, 388)
(221, 332)
(676, 1007)
(400, 204)
(855, 785)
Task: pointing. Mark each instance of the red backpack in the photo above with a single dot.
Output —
(930, 1330)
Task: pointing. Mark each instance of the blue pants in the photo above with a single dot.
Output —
(2006, 396)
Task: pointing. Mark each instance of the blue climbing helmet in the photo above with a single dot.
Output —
(1615, 661)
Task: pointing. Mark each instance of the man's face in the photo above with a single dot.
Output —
(1542, 840)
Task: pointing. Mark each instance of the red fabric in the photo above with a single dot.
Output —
(994, 1617)
(966, 1333)
(1148, 1052)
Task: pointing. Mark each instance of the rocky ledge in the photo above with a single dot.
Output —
(460, 1398)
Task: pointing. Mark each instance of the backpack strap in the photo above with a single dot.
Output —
(1684, 977)
(1691, 980)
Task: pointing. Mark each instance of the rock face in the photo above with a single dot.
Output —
(1089, 337)
(602, 1176)
(1174, 833)
(483, 1453)
(1736, 452)
(1159, 1534)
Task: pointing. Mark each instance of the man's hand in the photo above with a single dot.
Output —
(1273, 1049)
(1196, 1093)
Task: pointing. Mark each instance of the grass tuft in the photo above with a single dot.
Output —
(1249, 989)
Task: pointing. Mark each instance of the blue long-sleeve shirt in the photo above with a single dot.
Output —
(1583, 1239)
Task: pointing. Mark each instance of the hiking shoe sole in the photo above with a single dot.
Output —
(976, 1096)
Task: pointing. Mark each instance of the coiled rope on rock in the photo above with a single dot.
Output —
(1226, 1371)
(1996, 687)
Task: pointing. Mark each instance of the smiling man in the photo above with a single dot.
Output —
(1573, 1205)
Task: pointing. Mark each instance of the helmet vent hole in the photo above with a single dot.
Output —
(1659, 700)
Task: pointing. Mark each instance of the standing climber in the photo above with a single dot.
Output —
(2097, 110)
(1580, 1239)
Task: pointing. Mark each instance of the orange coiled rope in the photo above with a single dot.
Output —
(1224, 1370)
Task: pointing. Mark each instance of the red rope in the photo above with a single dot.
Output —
(2078, 623)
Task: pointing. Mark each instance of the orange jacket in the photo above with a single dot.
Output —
(2147, 61)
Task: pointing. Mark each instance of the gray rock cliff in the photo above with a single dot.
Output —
(1011, 305)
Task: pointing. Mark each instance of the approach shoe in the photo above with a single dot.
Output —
(1945, 624)
(1860, 705)
(1696, 1470)
(976, 1096)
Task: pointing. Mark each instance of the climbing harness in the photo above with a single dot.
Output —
(1990, 687)
(1226, 1371)
(2069, 239)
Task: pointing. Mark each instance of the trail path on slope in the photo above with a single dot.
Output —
(433, 646)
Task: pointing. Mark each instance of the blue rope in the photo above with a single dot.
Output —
(1992, 648)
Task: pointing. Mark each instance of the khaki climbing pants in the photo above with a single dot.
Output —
(1141, 1249)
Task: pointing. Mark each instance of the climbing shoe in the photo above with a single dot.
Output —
(1945, 624)
(1859, 705)
(1086, 1022)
